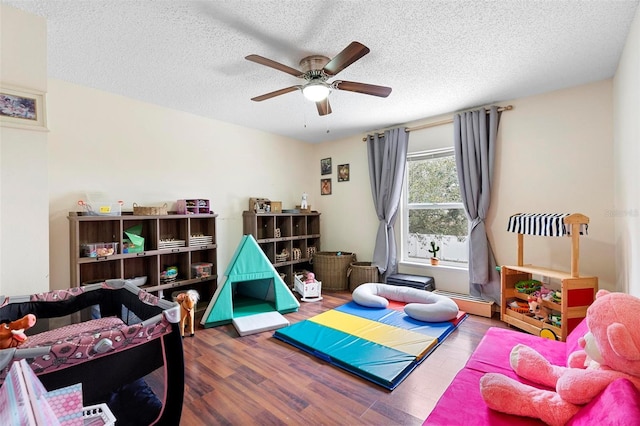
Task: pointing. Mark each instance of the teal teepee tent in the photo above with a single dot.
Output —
(252, 286)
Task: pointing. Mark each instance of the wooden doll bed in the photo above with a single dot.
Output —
(128, 334)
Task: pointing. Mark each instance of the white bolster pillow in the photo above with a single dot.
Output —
(421, 305)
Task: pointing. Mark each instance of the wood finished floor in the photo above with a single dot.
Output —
(257, 379)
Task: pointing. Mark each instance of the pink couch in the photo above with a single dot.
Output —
(461, 403)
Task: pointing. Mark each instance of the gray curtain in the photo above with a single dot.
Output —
(387, 164)
(475, 134)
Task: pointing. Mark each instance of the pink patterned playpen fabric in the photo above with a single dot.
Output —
(59, 295)
(76, 343)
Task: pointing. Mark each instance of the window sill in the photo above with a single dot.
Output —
(441, 266)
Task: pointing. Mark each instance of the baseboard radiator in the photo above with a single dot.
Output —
(470, 304)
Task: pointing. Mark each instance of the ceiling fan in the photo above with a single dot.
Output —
(316, 70)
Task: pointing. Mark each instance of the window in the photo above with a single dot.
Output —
(433, 210)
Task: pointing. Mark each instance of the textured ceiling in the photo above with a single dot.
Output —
(438, 56)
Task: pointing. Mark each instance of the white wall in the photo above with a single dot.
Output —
(24, 224)
(554, 155)
(142, 153)
(626, 95)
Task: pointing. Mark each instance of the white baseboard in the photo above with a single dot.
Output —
(470, 304)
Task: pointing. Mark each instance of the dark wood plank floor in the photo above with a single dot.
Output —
(257, 379)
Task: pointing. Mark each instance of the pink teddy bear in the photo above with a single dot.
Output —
(611, 350)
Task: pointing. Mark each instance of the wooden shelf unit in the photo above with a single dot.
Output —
(153, 259)
(578, 292)
(297, 231)
(193, 206)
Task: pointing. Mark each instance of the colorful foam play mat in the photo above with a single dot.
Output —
(382, 345)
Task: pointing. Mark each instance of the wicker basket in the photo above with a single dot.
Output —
(362, 272)
(331, 268)
(150, 211)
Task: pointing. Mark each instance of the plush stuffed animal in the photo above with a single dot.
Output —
(187, 302)
(537, 309)
(611, 350)
(12, 334)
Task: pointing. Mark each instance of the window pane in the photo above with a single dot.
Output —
(433, 181)
(447, 228)
(433, 210)
(451, 222)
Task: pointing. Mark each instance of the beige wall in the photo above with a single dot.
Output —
(24, 224)
(554, 155)
(549, 159)
(142, 153)
(626, 95)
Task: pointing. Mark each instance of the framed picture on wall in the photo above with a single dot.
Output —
(325, 166)
(22, 108)
(343, 173)
(325, 186)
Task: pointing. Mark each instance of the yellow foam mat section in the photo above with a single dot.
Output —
(406, 341)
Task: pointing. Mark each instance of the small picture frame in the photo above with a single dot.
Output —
(325, 166)
(343, 173)
(22, 108)
(325, 186)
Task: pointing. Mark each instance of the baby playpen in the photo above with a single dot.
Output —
(121, 343)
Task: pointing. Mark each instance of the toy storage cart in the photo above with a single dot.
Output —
(129, 339)
(577, 291)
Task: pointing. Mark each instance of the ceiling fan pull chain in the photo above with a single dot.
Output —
(304, 112)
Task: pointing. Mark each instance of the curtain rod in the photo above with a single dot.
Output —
(441, 122)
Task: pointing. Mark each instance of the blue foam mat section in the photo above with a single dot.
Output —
(384, 366)
(377, 363)
(398, 319)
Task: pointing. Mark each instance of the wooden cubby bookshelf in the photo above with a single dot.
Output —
(578, 292)
(296, 231)
(195, 243)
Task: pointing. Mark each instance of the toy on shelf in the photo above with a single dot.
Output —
(296, 253)
(528, 286)
(519, 306)
(537, 309)
(282, 256)
(555, 319)
(169, 275)
(187, 302)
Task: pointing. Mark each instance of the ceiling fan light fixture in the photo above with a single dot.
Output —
(316, 92)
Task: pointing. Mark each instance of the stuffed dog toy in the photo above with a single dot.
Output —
(12, 334)
(187, 302)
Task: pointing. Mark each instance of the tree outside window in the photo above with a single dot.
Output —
(433, 209)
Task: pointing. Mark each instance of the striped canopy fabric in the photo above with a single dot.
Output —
(542, 224)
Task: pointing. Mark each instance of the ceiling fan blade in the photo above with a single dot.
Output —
(367, 89)
(323, 107)
(273, 64)
(274, 94)
(349, 55)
